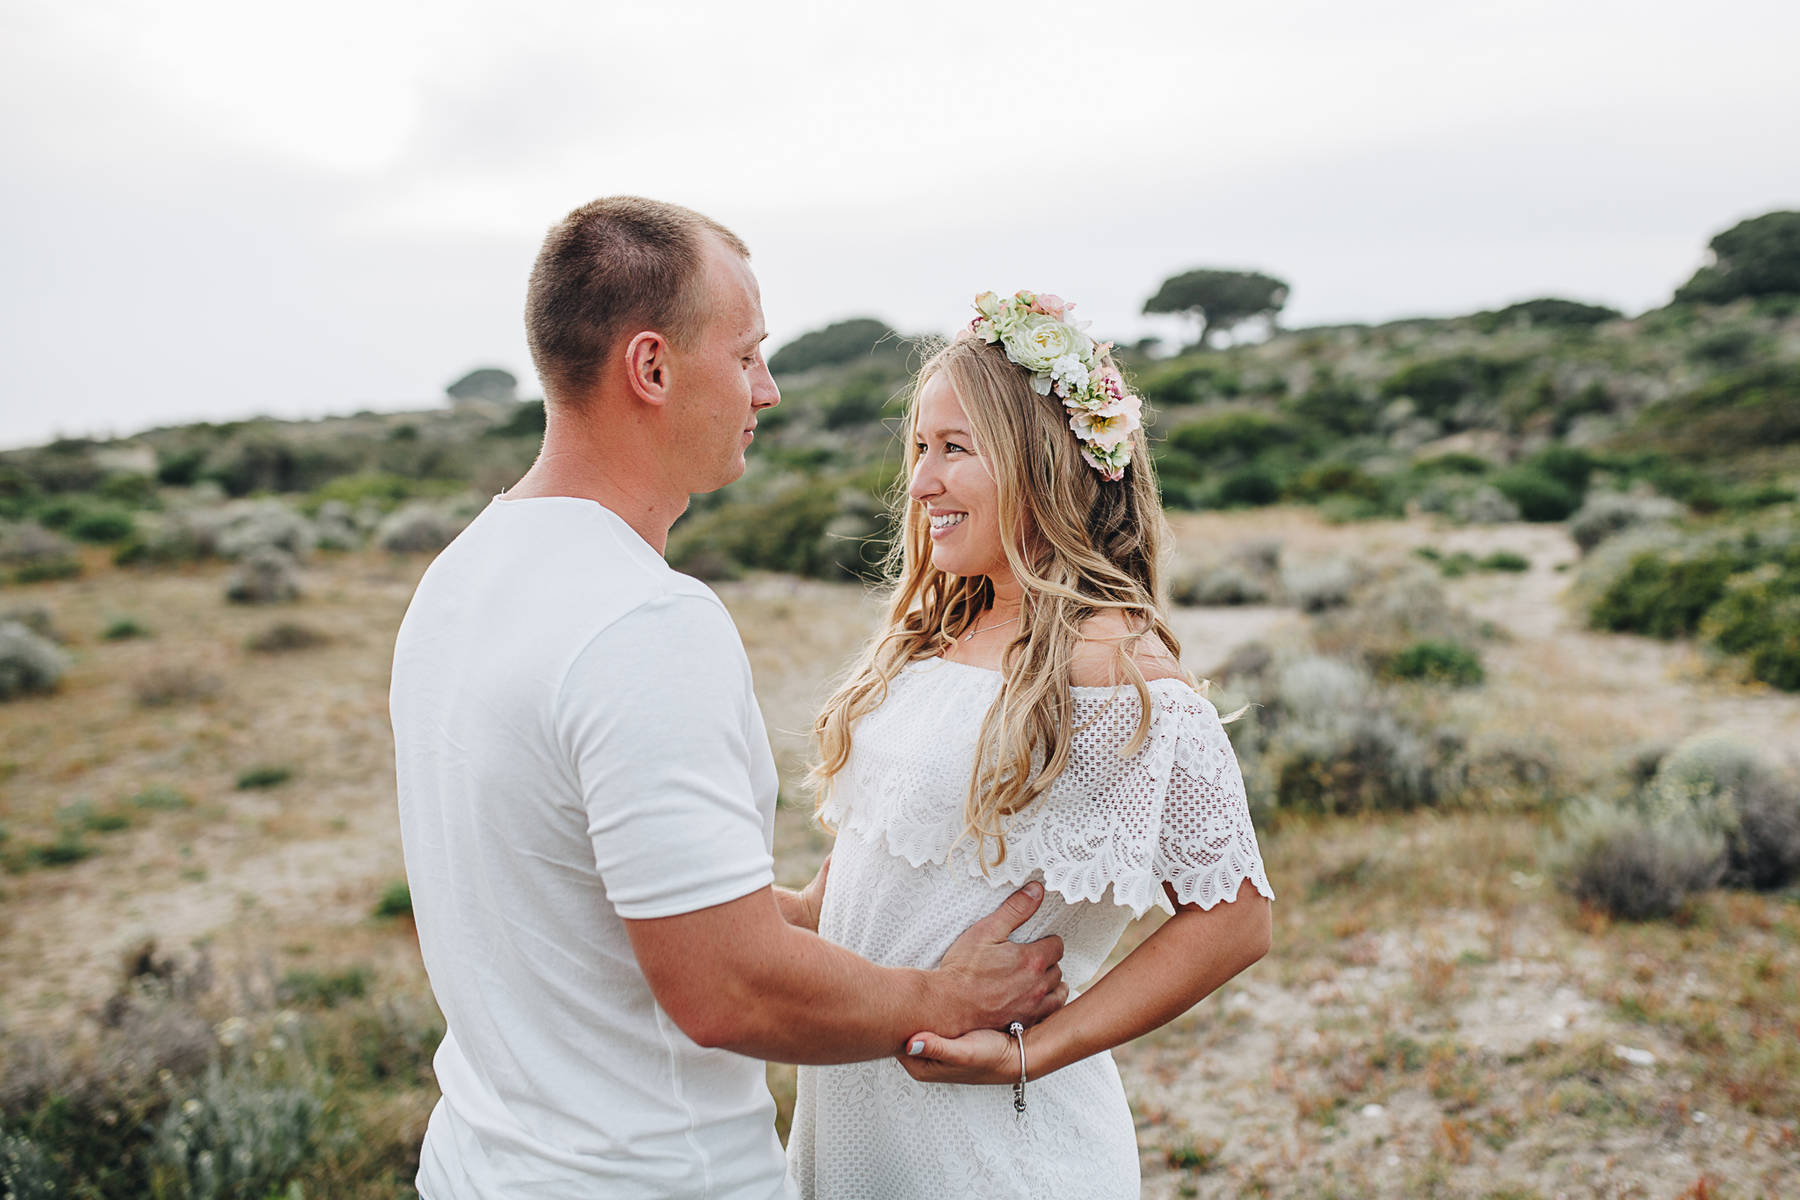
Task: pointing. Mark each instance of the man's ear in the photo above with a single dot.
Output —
(647, 367)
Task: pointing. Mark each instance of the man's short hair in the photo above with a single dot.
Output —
(613, 267)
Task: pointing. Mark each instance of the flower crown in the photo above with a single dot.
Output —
(1036, 333)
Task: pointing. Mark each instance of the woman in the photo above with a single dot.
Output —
(1022, 715)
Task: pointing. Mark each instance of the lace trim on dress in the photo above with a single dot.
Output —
(1173, 812)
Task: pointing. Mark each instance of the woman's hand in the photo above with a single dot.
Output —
(980, 1056)
(812, 896)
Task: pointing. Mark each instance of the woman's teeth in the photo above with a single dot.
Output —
(947, 520)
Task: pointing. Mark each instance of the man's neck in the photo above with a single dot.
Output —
(611, 480)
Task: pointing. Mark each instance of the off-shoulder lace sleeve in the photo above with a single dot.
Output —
(1111, 827)
(1206, 846)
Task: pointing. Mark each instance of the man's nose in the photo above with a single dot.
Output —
(763, 392)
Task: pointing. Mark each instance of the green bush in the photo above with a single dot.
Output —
(1188, 380)
(124, 629)
(826, 527)
(1235, 436)
(1504, 560)
(1754, 805)
(1758, 615)
(130, 489)
(1339, 407)
(1437, 662)
(180, 468)
(525, 420)
(103, 526)
(1248, 487)
(162, 799)
(324, 989)
(48, 570)
(264, 777)
(1539, 497)
(1663, 594)
(396, 900)
(1436, 386)
(842, 342)
(1336, 479)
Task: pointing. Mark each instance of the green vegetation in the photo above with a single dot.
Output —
(1437, 662)
(395, 901)
(1758, 257)
(264, 777)
(849, 341)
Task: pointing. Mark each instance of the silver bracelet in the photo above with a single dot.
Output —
(1016, 1031)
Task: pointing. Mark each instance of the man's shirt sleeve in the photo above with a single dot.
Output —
(654, 717)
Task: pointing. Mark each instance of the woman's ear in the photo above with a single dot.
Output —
(647, 367)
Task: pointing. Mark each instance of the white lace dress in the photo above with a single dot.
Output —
(1104, 840)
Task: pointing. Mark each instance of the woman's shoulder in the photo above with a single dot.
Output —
(1096, 658)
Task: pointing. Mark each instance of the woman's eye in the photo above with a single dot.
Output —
(952, 446)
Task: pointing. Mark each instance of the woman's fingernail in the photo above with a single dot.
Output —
(1034, 890)
(917, 1047)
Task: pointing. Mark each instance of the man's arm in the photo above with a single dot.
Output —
(739, 977)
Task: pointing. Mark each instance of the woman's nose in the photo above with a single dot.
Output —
(924, 481)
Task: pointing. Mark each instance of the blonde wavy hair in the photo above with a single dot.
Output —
(1078, 545)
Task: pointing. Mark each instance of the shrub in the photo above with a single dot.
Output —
(1663, 593)
(1217, 584)
(169, 684)
(285, 637)
(1504, 560)
(124, 629)
(1759, 616)
(396, 900)
(1539, 496)
(29, 662)
(842, 342)
(1754, 806)
(1438, 662)
(266, 576)
(1604, 514)
(102, 525)
(1336, 745)
(1633, 865)
(1485, 505)
(1339, 407)
(1436, 386)
(315, 989)
(526, 419)
(27, 1172)
(1319, 585)
(68, 849)
(162, 799)
(264, 777)
(1233, 436)
(1188, 380)
(1248, 487)
(237, 1138)
(48, 570)
(1728, 347)
(417, 529)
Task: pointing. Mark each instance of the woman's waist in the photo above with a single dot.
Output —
(894, 914)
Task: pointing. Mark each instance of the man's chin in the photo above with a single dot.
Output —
(729, 475)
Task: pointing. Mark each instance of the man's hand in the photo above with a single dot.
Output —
(999, 980)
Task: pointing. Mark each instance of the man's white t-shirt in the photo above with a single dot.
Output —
(577, 742)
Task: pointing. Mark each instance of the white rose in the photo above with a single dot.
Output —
(1036, 341)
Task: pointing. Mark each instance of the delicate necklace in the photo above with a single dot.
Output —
(985, 628)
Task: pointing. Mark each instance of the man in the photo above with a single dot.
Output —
(586, 788)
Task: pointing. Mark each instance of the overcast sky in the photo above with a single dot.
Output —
(214, 210)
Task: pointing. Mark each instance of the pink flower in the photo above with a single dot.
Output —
(1051, 305)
